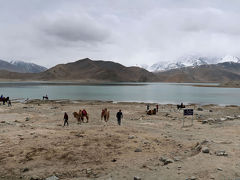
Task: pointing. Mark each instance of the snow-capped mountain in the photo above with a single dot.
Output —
(190, 61)
(229, 58)
(28, 67)
(20, 66)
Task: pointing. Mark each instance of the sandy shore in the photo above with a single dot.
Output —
(34, 145)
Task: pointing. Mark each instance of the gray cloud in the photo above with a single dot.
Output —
(78, 27)
(140, 32)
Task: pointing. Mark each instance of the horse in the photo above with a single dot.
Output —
(45, 97)
(80, 116)
(152, 112)
(105, 114)
(181, 106)
(4, 100)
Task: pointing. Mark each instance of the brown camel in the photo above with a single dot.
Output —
(105, 114)
(80, 116)
(152, 112)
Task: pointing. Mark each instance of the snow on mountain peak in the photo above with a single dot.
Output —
(181, 62)
(28, 67)
(190, 61)
(230, 58)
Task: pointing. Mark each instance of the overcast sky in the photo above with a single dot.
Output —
(49, 32)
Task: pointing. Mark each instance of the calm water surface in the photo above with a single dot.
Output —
(138, 92)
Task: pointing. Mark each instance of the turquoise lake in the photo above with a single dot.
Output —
(162, 93)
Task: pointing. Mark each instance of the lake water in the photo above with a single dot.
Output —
(135, 92)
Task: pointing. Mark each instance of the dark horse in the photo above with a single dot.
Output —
(45, 97)
(181, 106)
(4, 100)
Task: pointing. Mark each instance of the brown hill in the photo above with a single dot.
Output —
(88, 70)
(206, 73)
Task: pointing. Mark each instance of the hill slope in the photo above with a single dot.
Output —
(86, 69)
(221, 72)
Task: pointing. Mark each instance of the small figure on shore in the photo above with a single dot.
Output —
(148, 107)
(181, 106)
(45, 97)
(1, 96)
(157, 107)
(65, 119)
(9, 103)
(119, 117)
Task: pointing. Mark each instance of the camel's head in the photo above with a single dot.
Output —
(75, 114)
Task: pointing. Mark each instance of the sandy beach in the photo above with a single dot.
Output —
(35, 145)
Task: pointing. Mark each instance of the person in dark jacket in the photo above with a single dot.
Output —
(119, 117)
(65, 119)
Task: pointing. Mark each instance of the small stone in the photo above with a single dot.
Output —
(88, 171)
(168, 161)
(210, 120)
(176, 159)
(230, 117)
(223, 119)
(204, 142)
(204, 121)
(138, 150)
(34, 178)
(3, 121)
(193, 178)
(200, 109)
(136, 178)
(25, 170)
(205, 150)
(221, 153)
(114, 160)
(219, 169)
(163, 159)
(27, 119)
(210, 110)
(52, 178)
(79, 135)
(131, 137)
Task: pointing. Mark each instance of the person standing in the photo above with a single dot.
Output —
(65, 119)
(119, 117)
(147, 107)
(157, 107)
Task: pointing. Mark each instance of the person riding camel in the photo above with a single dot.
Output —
(84, 112)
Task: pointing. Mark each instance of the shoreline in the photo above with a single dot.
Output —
(124, 102)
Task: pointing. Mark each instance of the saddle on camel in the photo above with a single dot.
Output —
(152, 112)
(4, 99)
(105, 114)
(181, 106)
(80, 116)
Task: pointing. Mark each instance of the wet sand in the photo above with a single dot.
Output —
(35, 145)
